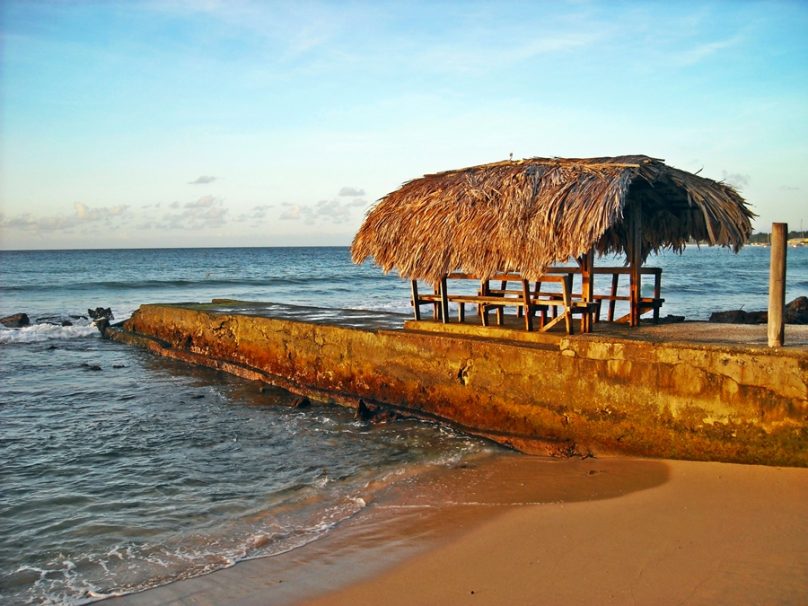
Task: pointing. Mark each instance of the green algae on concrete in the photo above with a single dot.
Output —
(585, 394)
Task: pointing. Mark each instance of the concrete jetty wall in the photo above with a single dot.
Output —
(571, 395)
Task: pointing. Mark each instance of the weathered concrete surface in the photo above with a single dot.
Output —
(563, 395)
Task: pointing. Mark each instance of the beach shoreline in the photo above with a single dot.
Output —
(517, 529)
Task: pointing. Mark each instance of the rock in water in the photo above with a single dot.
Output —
(797, 311)
(100, 312)
(101, 317)
(102, 324)
(301, 402)
(16, 321)
(374, 414)
(363, 413)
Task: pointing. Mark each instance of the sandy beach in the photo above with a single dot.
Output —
(515, 529)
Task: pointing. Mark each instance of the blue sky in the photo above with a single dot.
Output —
(206, 123)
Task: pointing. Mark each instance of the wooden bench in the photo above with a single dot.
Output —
(418, 299)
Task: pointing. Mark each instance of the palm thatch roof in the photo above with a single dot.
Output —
(528, 214)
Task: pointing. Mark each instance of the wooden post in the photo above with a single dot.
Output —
(657, 293)
(777, 284)
(444, 301)
(588, 287)
(635, 260)
(414, 288)
(613, 299)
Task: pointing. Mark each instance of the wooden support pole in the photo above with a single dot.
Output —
(414, 288)
(635, 260)
(444, 301)
(613, 299)
(777, 284)
(587, 264)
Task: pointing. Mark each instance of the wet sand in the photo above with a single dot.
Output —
(514, 529)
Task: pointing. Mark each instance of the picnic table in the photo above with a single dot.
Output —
(526, 299)
(559, 300)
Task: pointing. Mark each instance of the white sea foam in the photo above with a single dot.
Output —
(37, 333)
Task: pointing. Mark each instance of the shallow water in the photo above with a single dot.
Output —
(124, 471)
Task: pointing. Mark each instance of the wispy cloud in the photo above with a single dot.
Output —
(506, 50)
(738, 180)
(202, 180)
(700, 52)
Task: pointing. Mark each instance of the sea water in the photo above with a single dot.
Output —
(123, 471)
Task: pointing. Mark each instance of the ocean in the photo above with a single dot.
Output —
(123, 471)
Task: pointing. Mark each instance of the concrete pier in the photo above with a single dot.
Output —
(684, 391)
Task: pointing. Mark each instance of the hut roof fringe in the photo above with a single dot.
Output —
(528, 214)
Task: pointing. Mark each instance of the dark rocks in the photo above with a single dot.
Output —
(797, 311)
(54, 321)
(102, 324)
(16, 321)
(374, 414)
(100, 312)
(363, 413)
(301, 402)
(91, 367)
(739, 316)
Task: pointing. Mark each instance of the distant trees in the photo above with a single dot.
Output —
(762, 237)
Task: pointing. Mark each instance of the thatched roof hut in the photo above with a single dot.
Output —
(526, 215)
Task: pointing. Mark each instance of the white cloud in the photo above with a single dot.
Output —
(351, 191)
(331, 212)
(82, 216)
(203, 202)
(256, 213)
(202, 180)
(86, 214)
(293, 213)
(205, 212)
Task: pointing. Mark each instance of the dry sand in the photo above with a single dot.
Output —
(526, 530)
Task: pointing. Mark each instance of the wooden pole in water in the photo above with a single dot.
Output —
(777, 284)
